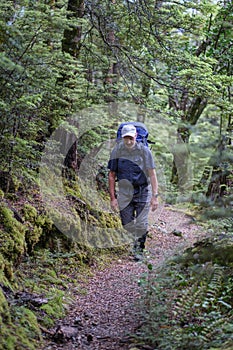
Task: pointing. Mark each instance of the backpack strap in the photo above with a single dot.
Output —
(140, 145)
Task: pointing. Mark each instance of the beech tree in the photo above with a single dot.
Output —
(58, 57)
(168, 48)
(31, 101)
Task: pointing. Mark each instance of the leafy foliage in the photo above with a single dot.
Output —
(189, 306)
(175, 59)
(32, 101)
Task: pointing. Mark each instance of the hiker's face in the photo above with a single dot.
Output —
(129, 141)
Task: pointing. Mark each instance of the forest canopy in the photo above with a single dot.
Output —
(70, 73)
(170, 59)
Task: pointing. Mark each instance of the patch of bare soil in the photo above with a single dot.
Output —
(109, 313)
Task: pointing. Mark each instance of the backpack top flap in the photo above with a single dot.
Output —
(142, 132)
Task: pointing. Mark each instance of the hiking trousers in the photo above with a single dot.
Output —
(134, 212)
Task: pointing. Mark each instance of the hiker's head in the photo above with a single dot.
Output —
(129, 134)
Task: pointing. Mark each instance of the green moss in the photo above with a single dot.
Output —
(19, 328)
(37, 226)
(57, 266)
(34, 231)
(72, 188)
(28, 323)
(4, 309)
(29, 212)
(52, 278)
(32, 237)
(55, 308)
(19, 337)
(2, 265)
(44, 222)
(12, 237)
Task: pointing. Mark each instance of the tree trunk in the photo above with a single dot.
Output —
(111, 78)
(219, 180)
(181, 170)
(71, 42)
(191, 115)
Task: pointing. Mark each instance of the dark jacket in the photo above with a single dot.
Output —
(131, 164)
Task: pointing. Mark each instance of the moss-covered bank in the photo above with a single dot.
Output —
(39, 265)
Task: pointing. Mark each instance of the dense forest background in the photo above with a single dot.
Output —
(71, 71)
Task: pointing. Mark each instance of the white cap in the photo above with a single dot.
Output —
(128, 130)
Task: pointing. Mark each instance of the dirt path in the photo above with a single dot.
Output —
(109, 312)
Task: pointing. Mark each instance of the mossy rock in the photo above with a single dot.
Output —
(29, 212)
(12, 236)
(19, 328)
(4, 309)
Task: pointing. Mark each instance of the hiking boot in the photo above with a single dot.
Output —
(137, 251)
(138, 256)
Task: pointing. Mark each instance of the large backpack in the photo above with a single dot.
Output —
(142, 140)
(142, 132)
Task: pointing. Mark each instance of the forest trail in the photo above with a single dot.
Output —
(109, 312)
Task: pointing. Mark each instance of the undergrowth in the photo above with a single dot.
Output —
(189, 306)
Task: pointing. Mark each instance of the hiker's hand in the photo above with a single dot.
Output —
(154, 203)
(114, 204)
